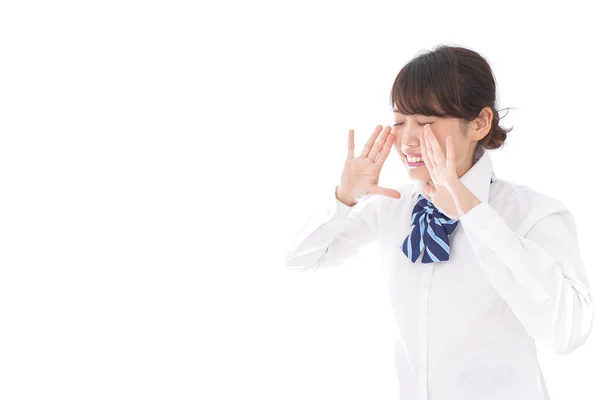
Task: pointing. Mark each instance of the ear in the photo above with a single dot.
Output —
(482, 124)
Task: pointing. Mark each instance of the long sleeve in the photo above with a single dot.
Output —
(540, 275)
(334, 234)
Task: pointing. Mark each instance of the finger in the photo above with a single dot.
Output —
(386, 149)
(351, 143)
(438, 153)
(425, 152)
(386, 192)
(430, 154)
(371, 141)
(430, 190)
(450, 160)
(379, 143)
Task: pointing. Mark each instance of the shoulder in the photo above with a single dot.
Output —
(523, 195)
(522, 205)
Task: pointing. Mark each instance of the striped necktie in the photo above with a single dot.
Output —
(431, 231)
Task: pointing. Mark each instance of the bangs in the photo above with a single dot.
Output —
(427, 86)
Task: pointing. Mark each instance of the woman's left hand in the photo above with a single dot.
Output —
(442, 169)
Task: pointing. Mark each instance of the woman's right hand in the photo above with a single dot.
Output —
(360, 176)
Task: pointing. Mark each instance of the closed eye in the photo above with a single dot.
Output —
(418, 123)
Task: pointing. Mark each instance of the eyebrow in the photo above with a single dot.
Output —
(418, 115)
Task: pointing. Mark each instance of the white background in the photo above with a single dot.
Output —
(158, 157)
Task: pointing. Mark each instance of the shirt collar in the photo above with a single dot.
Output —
(476, 179)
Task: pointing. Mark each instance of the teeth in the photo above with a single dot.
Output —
(414, 159)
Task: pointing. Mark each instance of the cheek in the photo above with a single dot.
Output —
(398, 150)
(397, 147)
(442, 141)
(398, 134)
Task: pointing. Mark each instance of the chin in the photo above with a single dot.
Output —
(419, 174)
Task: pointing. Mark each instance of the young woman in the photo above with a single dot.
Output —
(479, 270)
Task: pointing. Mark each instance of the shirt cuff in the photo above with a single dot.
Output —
(338, 211)
(478, 219)
(490, 229)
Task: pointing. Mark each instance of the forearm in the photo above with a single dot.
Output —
(464, 199)
(540, 276)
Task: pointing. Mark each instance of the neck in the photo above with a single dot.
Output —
(463, 168)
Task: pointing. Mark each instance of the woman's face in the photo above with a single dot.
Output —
(407, 130)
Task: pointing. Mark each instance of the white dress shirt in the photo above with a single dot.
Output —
(468, 327)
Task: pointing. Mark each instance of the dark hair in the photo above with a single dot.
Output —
(449, 82)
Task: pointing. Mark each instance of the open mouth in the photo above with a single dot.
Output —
(414, 160)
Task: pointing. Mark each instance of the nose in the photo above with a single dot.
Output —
(411, 139)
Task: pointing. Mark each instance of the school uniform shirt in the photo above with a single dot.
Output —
(467, 327)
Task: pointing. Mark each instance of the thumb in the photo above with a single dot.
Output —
(429, 189)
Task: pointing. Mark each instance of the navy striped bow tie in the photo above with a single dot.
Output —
(431, 231)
